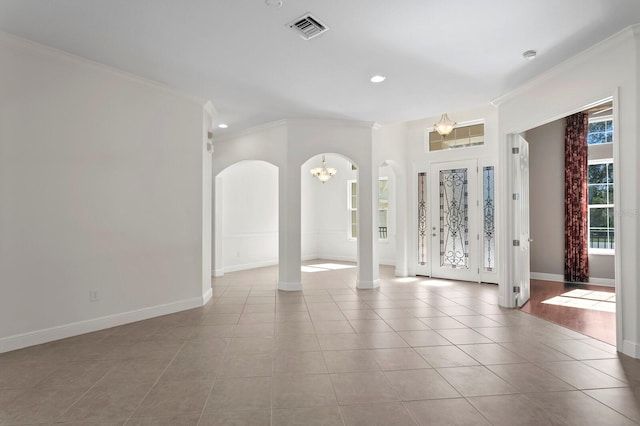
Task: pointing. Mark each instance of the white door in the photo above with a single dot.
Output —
(454, 220)
(520, 217)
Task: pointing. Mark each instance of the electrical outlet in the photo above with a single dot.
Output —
(93, 295)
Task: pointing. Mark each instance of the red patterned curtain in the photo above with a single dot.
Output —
(576, 207)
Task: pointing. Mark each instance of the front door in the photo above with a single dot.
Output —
(454, 220)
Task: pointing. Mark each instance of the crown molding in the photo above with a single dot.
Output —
(290, 122)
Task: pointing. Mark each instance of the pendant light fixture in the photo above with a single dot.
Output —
(323, 173)
(445, 125)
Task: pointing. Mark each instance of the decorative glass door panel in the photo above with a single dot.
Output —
(454, 236)
(454, 218)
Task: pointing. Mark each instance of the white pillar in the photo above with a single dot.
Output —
(290, 245)
(218, 263)
(367, 227)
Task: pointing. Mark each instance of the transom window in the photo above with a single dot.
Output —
(460, 137)
(600, 131)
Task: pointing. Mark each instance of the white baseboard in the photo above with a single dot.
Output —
(50, 334)
(547, 277)
(218, 272)
(253, 265)
(631, 349)
(368, 285)
(605, 282)
(289, 286)
(207, 296)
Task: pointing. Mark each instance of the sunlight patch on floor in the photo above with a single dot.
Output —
(320, 267)
(586, 299)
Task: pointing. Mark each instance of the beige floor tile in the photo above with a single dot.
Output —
(78, 374)
(445, 356)
(370, 326)
(491, 353)
(463, 336)
(441, 323)
(337, 342)
(252, 345)
(624, 400)
(406, 324)
(201, 368)
(579, 350)
(327, 315)
(475, 381)
(297, 343)
(350, 361)
(388, 414)
(576, 408)
(382, 340)
(535, 351)
(299, 363)
(414, 385)
(332, 327)
(174, 398)
(297, 327)
(236, 418)
(317, 416)
(303, 391)
(16, 375)
(508, 410)
(476, 321)
(247, 365)
(363, 388)
(236, 394)
(186, 420)
(360, 314)
(254, 329)
(624, 368)
(446, 412)
(107, 403)
(34, 406)
(580, 375)
(423, 338)
(528, 378)
(398, 359)
(204, 348)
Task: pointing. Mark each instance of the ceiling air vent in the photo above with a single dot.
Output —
(308, 27)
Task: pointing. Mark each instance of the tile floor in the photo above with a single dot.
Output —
(416, 351)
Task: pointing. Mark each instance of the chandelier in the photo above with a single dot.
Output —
(445, 125)
(323, 173)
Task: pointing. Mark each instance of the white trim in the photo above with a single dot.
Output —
(631, 349)
(605, 282)
(368, 285)
(295, 121)
(207, 296)
(50, 334)
(218, 272)
(6, 38)
(284, 286)
(252, 265)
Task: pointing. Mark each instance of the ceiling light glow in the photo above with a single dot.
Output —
(378, 78)
(223, 125)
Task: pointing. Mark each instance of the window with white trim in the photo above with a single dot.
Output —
(601, 231)
(383, 208)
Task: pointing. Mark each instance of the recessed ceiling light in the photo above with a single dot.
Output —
(378, 78)
(529, 55)
(223, 125)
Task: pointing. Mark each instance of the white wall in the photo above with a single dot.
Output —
(583, 80)
(101, 187)
(249, 215)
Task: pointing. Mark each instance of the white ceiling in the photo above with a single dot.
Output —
(438, 56)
